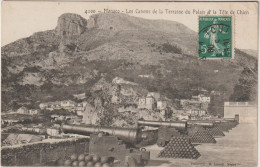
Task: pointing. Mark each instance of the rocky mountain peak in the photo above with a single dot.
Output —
(71, 24)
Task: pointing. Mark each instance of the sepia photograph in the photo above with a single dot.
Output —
(129, 84)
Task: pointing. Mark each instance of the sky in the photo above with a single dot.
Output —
(22, 19)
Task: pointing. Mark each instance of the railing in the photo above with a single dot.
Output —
(239, 104)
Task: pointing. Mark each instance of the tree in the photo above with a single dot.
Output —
(245, 89)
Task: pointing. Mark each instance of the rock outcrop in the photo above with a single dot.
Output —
(71, 24)
(91, 22)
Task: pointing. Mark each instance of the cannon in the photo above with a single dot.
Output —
(108, 145)
(177, 125)
(219, 120)
(134, 137)
(34, 130)
(229, 120)
(128, 135)
(114, 142)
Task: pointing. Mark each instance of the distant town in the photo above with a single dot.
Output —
(47, 118)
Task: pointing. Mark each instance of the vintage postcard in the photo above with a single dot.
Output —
(129, 84)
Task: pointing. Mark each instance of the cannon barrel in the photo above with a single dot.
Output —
(206, 124)
(229, 119)
(176, 125)
(126, 134)
(219, 120)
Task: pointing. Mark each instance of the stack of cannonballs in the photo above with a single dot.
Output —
(226, 126)
(223, 127)
(215, 131)
(179, 147)
(200, 135)
(86, 160)
(194, 129)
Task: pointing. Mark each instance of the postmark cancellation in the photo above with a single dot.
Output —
(216, 37)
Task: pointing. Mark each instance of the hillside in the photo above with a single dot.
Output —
(72, 58)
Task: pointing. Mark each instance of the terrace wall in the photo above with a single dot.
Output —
(42, 153)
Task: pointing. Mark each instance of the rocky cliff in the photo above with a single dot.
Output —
(71, 24)
(54, 64)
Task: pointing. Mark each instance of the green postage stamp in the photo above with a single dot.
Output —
(215, 37)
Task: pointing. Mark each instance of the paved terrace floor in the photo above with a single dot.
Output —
(237, 149)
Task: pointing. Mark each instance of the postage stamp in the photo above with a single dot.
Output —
(215, 37)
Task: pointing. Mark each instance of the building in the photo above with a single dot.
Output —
(50, 105)
(202, 90)
(118, 80)
(161, 105)
(34, 111)
(53, 131)
(203, 98)
(10, 121)
(193, 112)
(195, 98)
(68, 104)
(146, 76)
(150, 103)
(80, 96)
(190, 104)
(79, 107)
(56, 105)
(197, 112)
(155, 95)
(213, 92)
(202, 112)
(141, 102)
(54, 116)
(58, 117)
(247, 111)
(147, 102)
(183, 117)
(23, 110)
(43, 105)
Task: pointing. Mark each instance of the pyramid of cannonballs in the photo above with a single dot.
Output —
(200, 135)
(179, 147)
(194, 129)
(215, 131)
(226, 126)
(223, 127)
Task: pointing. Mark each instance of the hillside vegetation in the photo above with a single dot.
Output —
(72, 58)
